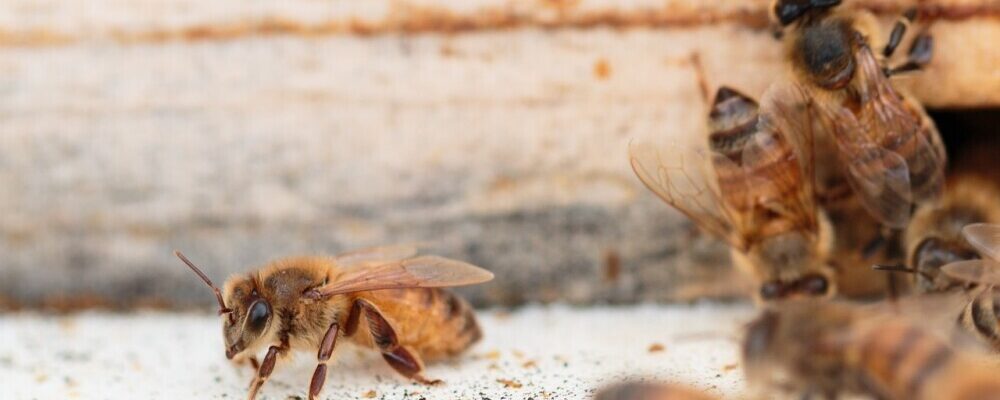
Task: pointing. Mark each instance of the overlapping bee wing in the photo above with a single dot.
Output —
(900, 125)
(376, 254)
(986, 272)
(891, 152)
(880, 177)
(684, 177)
(416, 272)
(985, 238)
(784, 142)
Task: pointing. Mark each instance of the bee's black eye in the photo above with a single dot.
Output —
(258, 315)
(789, 11)
(770, 290)
(815, 285)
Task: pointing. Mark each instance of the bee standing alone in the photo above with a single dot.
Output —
(385, 298)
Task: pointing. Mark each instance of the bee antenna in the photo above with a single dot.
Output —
(218, 293)
(901, 268)
(894, 268)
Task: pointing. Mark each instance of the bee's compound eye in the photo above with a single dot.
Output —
(815, 285)
(258, 315)
(770, 290)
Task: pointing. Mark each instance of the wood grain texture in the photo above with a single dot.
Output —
(501, 144)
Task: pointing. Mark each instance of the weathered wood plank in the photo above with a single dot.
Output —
(505, 147)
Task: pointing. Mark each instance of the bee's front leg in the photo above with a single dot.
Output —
(323, 356)
(921, 49)
(239, 363)
(264, 371)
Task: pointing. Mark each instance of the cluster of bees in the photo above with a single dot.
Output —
(830, 177)
(828, 174)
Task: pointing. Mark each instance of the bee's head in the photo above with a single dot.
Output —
(818, 284)
(247, 318)
(825, 52)
(247, 325)
(926, 259)
(794, 266)
(788, 11)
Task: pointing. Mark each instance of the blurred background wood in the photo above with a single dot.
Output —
(493, 131)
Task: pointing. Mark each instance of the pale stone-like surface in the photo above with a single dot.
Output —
(553, 353)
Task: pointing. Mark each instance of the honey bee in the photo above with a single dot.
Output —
(811, 347)
(309, 302)
(750, 184)
(890, 149)
(650, 391)
(982, 314)
(947, 235)
(934, 237)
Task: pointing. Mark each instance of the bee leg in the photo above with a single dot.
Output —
(265, 369)
(254, 363)
(399, 357)
(919, 55)
(898, 31)
(323, 355)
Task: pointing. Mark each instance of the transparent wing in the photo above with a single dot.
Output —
(888, 119)
(684, 179)
(376, 255)
(986, 272)
(985, 238)
(785, 139)
(881, 178)
(417, 272)
(787, 108)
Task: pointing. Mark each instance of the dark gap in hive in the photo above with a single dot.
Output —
(972, 138)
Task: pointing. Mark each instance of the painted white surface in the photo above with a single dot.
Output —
(177, 356)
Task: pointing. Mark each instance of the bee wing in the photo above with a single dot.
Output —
(880, 177)
(417, 272)
(784, 134)
(884, 142)
(787, 108)
(890, 117)
(978, 271)
(685, 180)
(376, 254)
(985, 238)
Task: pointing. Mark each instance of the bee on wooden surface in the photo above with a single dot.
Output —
(810, 348)
(385, 298)
(650, 391)
(889, 147)
(750, 184)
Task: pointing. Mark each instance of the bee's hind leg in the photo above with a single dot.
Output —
(400, 358)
